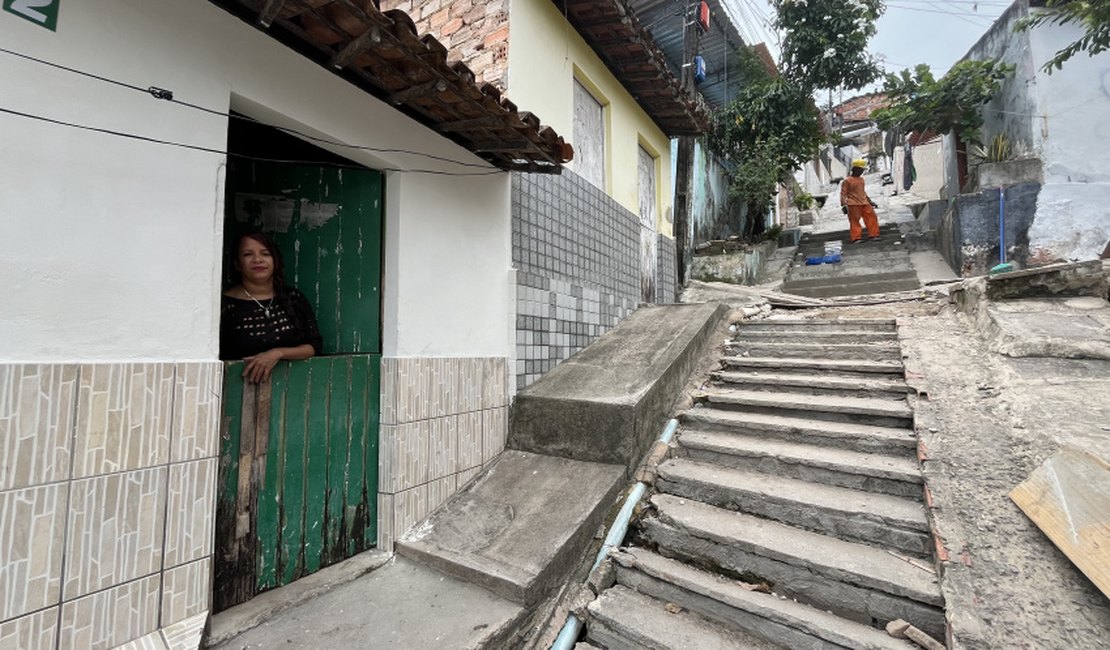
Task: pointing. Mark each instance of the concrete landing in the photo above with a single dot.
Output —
(1070, 328)
(401, 605)
(521, 527)
(608, 402)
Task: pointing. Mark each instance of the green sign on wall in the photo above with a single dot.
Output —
(40, 12)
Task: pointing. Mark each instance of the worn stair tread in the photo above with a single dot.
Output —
(883, 509)
(836, 559)
(639, 621)
(834, 458)
(721, 419)
(785, 612)
(824, 403)
(828, 382)
(843, 365)
(877, 345)
(888, 323)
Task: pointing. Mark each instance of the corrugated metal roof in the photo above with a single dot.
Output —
(663, 18)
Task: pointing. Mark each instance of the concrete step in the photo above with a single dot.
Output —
(848, 579)
(785, 349)
(833, 408)
(870, 472)
(814, 335)
(844, 235)
(875, 519)
(855, 437)
(806, 281)
(835, 290)
(843, 367)
(805, 384)
(621, 619)
(821, 324)
(520, 527)
(726, 602)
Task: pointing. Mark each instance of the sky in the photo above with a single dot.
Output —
(936, 32)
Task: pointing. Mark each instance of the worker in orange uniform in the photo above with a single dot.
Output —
(856, 204)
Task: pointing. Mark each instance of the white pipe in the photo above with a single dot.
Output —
(568, 636)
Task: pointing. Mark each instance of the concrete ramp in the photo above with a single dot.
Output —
(521, 527)
(608, 402)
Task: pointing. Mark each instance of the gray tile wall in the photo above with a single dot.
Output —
(577, 255)
(666, 274)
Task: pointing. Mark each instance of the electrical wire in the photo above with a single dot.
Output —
(167, 95)
(222, 152)
(957, 14)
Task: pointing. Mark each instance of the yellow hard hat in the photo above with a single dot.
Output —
(859, 162)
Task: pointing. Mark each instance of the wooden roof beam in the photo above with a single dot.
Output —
(269, 12)
(357, 46)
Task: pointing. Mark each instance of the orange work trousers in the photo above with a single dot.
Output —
(870, 220)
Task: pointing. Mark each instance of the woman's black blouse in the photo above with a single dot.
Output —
(246, 330)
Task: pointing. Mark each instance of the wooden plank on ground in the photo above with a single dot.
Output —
(1068, 497)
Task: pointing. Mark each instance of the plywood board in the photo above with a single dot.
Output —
(1069, 499)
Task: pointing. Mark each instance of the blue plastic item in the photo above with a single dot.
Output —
(823, 259)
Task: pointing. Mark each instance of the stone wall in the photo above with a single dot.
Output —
(476, 32)
(443, 419)
(577, 256)
(107, 502)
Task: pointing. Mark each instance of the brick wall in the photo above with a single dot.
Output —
(577, 255)
(475, 32)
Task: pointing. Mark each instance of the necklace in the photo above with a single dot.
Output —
(265, 309)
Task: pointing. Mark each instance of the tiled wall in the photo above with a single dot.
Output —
(577, 255)
(443, 419)
(666, 279)
(107, 496)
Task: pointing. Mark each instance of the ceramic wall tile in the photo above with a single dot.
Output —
(440, 490)
(385, 523)
(186, 634)
(32, 528)
(190, 512)
(36, 423)
(115, 531)
(443, 447)
(185, 591)
(388, 392)
(495, 430)
(32, 632)
(195, 429)
(409, 508)
(470, 440)
(408, 465)
(466, 475)
(152, 641)
(111, 617)
(123, 417)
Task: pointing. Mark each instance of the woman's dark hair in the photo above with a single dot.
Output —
(281, 290)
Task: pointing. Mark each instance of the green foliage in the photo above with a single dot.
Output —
(825, 41)
(772, 233)
(769, 130)
(1000, 149)
(803, 200)
(1092, 15)
(920, 103)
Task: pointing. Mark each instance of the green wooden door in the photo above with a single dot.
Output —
(299, 453)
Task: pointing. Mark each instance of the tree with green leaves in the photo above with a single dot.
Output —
(919, 102)
(767, 132)
(825, 41)
(1092, 15)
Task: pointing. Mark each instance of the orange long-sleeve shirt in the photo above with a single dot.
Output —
(852, 192)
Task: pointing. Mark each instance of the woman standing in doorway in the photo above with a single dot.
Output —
(263, 320)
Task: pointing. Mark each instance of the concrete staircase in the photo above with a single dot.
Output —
(867, 267)
(795, 470)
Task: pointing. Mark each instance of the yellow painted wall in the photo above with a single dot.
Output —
(545, 56)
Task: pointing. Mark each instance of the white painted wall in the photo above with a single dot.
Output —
(111, 248)
(1073, 141)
